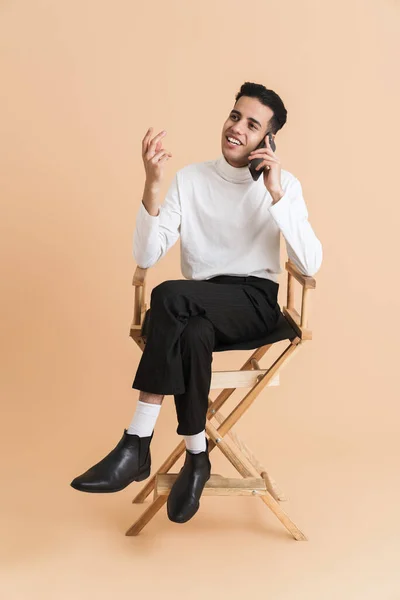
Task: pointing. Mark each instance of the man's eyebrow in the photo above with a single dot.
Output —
(248, 118)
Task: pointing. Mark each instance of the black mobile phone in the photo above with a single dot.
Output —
(256, 161)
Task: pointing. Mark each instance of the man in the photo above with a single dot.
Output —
(230, 228)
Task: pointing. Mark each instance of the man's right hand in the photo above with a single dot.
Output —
(154, 157)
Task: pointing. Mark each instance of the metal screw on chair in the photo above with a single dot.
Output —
(217, 441)
(213, 411)
(254, 493)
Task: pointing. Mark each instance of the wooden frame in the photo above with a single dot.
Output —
(255, 479)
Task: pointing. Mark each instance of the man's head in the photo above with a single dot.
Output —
(256, 112)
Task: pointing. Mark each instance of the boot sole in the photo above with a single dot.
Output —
(140, 477)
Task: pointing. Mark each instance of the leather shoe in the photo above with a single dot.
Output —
(184, 498)
(129, 461)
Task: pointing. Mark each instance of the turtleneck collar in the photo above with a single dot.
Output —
(233, 174)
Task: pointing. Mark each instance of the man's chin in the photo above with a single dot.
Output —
(235, 161)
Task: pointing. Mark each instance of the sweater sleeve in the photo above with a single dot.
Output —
(154, 236)
(290, 213)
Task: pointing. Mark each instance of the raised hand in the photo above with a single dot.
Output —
(154, 156)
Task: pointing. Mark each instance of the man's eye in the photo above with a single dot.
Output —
(235, 117)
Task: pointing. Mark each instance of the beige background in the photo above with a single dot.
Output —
(81, 83)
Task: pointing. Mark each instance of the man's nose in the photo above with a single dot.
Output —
(238, 133)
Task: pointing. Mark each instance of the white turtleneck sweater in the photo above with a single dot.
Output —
(228, 224)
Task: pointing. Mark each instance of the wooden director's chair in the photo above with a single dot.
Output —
(255, 480)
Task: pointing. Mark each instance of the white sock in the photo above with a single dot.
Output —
(144, 419)
(196, 443)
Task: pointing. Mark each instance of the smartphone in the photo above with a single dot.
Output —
(256, 161)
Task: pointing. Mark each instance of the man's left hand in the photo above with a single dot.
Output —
(272, 171)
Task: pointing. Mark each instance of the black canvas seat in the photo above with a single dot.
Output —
(282, 331)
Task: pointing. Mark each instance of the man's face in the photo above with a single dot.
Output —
(247, 122)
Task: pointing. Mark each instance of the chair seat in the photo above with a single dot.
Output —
(282, 331)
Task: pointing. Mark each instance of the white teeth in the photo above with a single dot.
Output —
(234, 141)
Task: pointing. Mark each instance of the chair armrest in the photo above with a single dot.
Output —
(298, 320)
(140, 307)
(305, 280)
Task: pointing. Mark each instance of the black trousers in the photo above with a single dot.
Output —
(187, 319)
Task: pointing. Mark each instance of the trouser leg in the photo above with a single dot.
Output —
(197, 344)
(236, 311)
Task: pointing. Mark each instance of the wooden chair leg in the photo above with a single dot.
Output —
(274, 494)
(180, 449)
(235, 459)
(147, 515)
(227, 423)
(258, 468)
(249, 398)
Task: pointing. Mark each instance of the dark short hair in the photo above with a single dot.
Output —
(268, 98)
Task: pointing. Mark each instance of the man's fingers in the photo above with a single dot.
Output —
(149, 155)
(157, 156)
(262, 151)
(264, 157)
(156, 139)
(146, 144)
(146, 138)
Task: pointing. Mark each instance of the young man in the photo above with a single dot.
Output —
(230, 228)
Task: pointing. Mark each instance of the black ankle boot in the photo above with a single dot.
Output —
(184, 498)
(129, 461)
